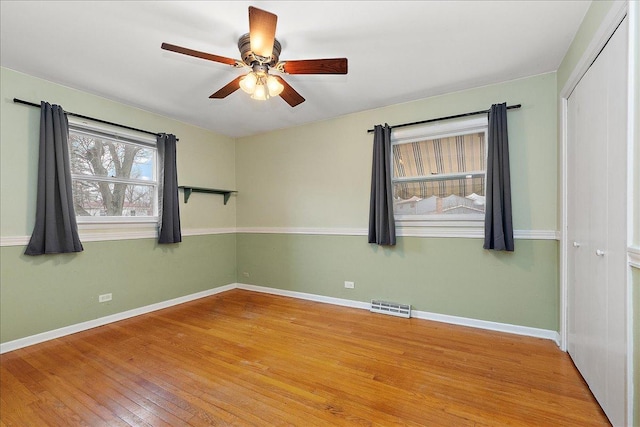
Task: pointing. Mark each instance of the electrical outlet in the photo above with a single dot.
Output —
(245, 274)
(349, 285)
(105, 297)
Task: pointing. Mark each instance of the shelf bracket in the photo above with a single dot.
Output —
(187, 194)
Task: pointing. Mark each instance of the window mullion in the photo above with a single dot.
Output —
(440, 177)
(112, 180)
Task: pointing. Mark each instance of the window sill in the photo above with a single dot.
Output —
(102, 229)
(116, 221)
(468, 229)
(465, 226)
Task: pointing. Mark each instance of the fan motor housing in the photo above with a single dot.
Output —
(249, 58)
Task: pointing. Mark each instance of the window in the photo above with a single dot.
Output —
(114, 175)
(439, 171)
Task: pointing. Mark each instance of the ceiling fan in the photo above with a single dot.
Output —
(260, 51)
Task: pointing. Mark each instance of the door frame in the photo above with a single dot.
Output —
(606, 29)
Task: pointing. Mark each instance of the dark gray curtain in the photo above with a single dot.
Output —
(55, 229)
(498, 224)
(168, 191)
(382, 227)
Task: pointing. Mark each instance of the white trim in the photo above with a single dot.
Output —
(564, 221)
(207, 231)
(90, 324)
(303, 230)
(119, 235)
(633, 253)
(128, 134)
(488, 325)
(634, 258)
(437, 230)
(88, 221)
(107, 235)
(439, 130)
(99, 231)
(454, 320)
(14, 241)
(425, 315)
(600, 38)
(449, 232)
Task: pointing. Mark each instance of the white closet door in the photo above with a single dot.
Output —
(597, 201)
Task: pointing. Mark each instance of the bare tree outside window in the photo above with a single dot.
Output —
(111, 177)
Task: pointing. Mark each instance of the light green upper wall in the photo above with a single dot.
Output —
(205, 159)
(43, 293)
(590, 24)
(318, 175)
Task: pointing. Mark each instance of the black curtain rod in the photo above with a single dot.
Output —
(20, 101)
(457, 116)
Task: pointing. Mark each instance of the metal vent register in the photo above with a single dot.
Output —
(392, 308)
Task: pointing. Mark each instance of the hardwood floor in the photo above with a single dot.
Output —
(243, 358)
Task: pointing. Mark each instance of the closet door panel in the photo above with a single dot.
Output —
(597, 209)
(616, 224)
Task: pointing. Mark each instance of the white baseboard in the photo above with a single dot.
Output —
(79, 327)
(305, 296)
(488, 325)
(455, 320)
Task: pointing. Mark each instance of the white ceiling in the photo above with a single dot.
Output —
(397, 51)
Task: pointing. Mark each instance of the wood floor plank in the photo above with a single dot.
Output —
(18, 413)
(242, 358)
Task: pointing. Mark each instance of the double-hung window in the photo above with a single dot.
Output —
(439, 173)
(114, 175)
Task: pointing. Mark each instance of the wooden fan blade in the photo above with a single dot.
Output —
(289, 94)
(262, 31)
(316, 66)
(198, 54)
(227, 90)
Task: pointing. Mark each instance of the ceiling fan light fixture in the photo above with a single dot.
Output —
(248, 83)
(260, 85)
(274, 86)
(260, 93)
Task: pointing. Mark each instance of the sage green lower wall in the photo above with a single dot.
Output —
(448, 276)
(43, 293)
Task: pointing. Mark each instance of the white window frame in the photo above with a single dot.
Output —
(141, 226)
(474, 222)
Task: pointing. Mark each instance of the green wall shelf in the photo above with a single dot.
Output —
(189, 189)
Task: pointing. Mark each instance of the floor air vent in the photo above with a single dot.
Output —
(392, 308)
